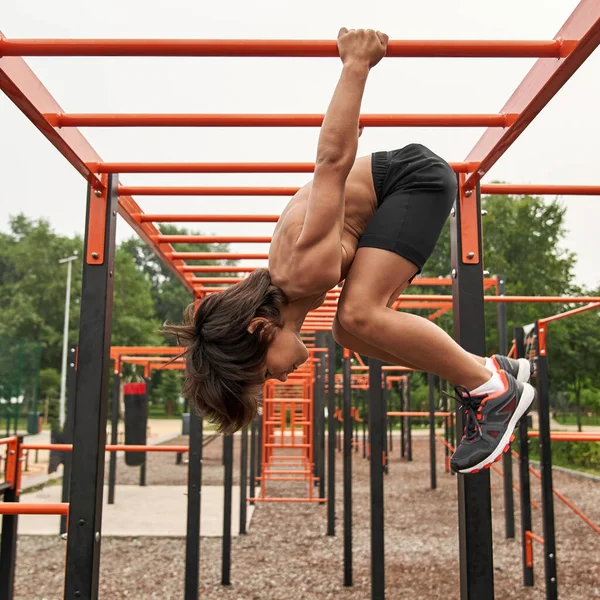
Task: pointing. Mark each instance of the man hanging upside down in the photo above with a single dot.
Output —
(371, 222)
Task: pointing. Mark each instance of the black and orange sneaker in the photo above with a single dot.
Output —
(490, 423)
(519, 368)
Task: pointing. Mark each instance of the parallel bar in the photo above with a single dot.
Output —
(141, 190)
(62, 120)
(211, 239)
(582, 34)
(179, 167)
(114, 431)
(525, 491)
(331, 436)
(543, 405)
(217, 256)
(376, 471)
(10, 508)
(507, 466)
(204, 218)
(243, 480)
(194, 496)
(226, 554)
(253, 459)
(524, 189)
(275, 48)
(13, 509)
(431, 385)
(320, 418)
(69, 422)
(89, 439)
(474, 501)
(347, 407)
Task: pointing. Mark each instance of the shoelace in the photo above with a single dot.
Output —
(471, 404)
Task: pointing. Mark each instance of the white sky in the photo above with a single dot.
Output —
(562, 146)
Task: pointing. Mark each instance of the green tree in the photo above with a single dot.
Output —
(169, 295)
(168, 390)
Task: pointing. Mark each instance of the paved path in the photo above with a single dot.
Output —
(153, 510)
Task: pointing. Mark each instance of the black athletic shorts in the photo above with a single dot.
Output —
(415, 192)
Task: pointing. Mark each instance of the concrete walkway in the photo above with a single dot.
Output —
(154, 510)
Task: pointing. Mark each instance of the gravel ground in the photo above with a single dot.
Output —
(287, 555)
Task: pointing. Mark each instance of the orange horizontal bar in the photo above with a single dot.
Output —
(8, 440)
(269, 120)
(541, 190)
(209, 280)
(276, 48)
(211, 239)
(568, 436)
(108, 448)
(216, 256)
(207, 218)
(534, 299)
(141, 190)
(117, 351)
(535, 538)
(23, 508)
(181, 167)
(569, 313)
(417, 414)
(216, 269)
(322, 500)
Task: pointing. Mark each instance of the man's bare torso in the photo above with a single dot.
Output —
(360, 206)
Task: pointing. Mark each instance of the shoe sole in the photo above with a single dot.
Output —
(524, 373)
(525, 402)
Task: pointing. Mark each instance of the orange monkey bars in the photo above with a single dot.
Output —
(281, 48)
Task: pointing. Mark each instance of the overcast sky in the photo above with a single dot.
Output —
(562, 146)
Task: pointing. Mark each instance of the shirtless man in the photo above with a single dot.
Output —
(371, 222)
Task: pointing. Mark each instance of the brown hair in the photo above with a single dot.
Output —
(225, 362)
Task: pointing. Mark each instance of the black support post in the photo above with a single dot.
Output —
(253, 459)
(320, 416)
(114, 426)
(543, 402)
(347, 391)
(331, 426)
(376, 435)
(384, 423)
(89, 437)
(409, 454)
(226, 556)
(194, 498)
(71, 389)
(474, 501)
(8, 539)
(525, 494)
(365, 421)
(401, 385)
(431, 384)
(243, 480)
(507, 467)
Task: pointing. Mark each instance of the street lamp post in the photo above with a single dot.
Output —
(63, 372)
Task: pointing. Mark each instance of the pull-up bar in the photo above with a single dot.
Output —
(267, 120)
(280, 48)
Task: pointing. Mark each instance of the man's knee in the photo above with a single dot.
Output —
(353, 318)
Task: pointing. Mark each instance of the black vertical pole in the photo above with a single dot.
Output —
(194, 501)
(8, 539)
(70, 418)
(543, 402)
(384, 420)
(259, 450)
(315, 433)
(148, 383)
(474, 501)
(431, 383)
(347, 471)
(320, 416)
(243, 480)
(366, 419)
(253, 459)
(525, 494)
(401, 385)
(331, 437)
(509, 505)
(408, 420)
(228, 462)
(89, 436)
(376, 462)
(114, 426)
(446, 424)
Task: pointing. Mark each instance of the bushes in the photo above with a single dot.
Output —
(578, 455)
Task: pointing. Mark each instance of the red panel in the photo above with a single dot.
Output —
(134, 389)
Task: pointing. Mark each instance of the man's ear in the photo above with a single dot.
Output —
(256, 322)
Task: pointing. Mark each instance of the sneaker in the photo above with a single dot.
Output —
(490, 423)
(519, 368)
